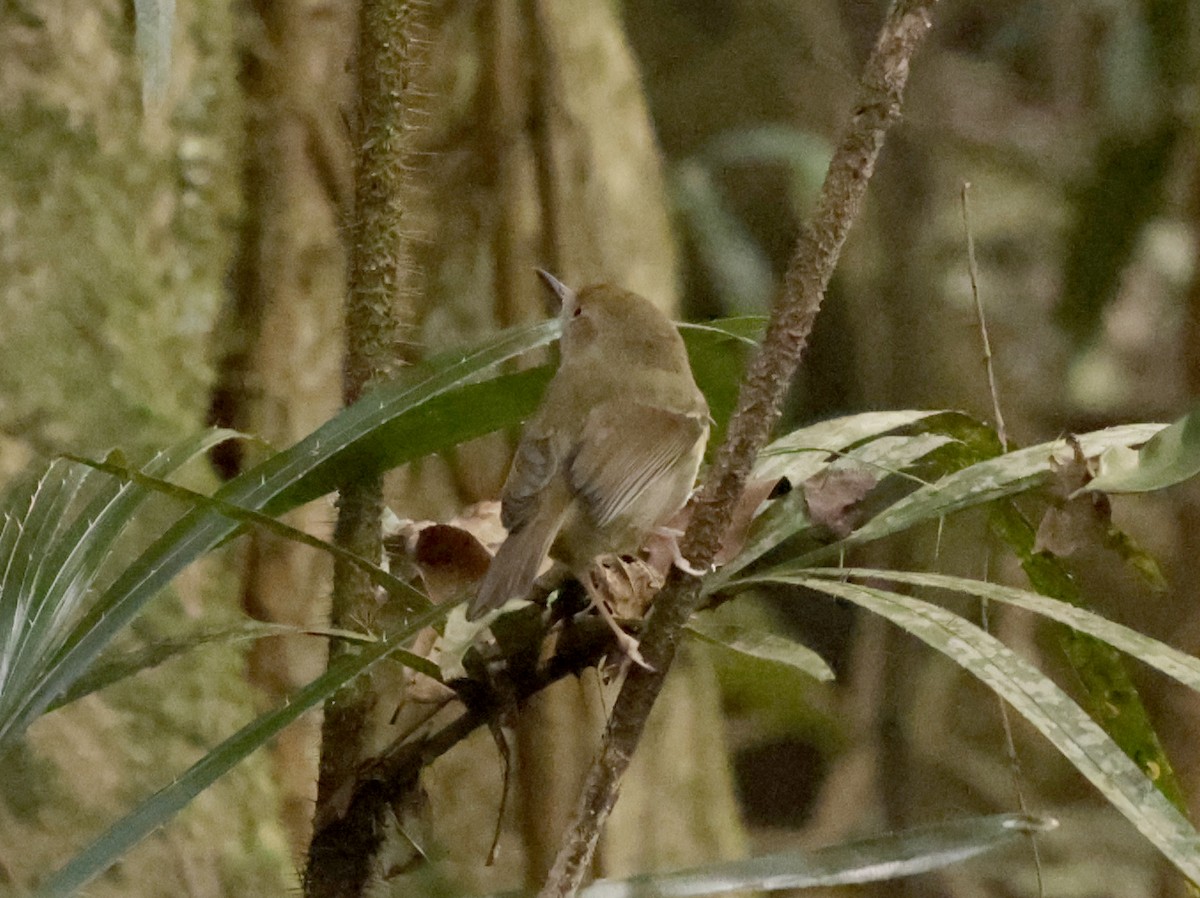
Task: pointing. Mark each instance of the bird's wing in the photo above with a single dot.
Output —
(532, 507)
(534, 463)
(625, 449)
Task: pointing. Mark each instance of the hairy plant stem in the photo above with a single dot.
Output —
(341, 867)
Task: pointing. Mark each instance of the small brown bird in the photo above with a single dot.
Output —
(612, 451)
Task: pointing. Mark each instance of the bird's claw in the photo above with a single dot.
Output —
(671, 537)
(630, 647)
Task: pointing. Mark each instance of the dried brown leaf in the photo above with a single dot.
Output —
(1072, 523)
(832, 497)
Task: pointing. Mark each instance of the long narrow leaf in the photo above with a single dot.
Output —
(1041, 702)
(380, 440)
(877, 859)
(1005, 475)
(762, 645)
(168, 801)
(113, 669)
(718, 352)
(409, 598)
(199, 530)
(1176, 664)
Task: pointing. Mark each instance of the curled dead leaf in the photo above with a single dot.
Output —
(627, 584)
(833, 496)
(1074, 519)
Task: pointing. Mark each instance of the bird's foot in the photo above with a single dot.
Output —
(628, 645)
(670, 538)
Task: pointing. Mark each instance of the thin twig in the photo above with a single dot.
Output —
(758, 410)
(1010, 745)
(1014, 763)
(973, 271)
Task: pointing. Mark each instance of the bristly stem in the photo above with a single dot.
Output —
(340, 866)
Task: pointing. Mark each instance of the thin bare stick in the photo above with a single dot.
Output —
(973, 271)
(1010, 745)
(1014, 763)
(758, 410)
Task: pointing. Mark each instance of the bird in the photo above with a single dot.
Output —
(611, 453)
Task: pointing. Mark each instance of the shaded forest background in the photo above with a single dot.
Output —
(161, 271)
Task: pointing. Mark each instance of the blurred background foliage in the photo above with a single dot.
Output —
(161, 270)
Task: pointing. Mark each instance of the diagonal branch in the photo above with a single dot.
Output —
(758, 410)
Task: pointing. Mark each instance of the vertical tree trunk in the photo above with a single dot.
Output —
(281, 352)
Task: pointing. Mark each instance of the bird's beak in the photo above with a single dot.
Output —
(566, 296)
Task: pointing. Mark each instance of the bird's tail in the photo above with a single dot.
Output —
(515, 565)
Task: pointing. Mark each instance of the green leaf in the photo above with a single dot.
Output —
(431, 406)
(1171, 456)
(59, 529)
(980, 483)
(1041, 702)
(168, 801)
(717, 352)
(876, 859)
(408, 598)
(109, 670)
(763, 645)
(1170, 661)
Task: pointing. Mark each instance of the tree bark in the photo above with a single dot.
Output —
(280, 358)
